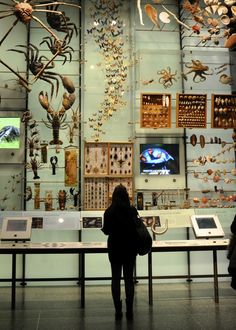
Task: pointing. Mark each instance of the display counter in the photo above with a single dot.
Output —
(83, 248)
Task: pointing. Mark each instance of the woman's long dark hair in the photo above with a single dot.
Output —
(120, 197)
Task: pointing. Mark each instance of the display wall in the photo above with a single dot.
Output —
(118, 76)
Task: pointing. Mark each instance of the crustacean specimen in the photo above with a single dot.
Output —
(40, 70)
(62, 198)
(167, 77)
(59, 48)
(200, 70)
(34, 165)
(33, 144)
(60, 22)
(56, 118)
(24, 12)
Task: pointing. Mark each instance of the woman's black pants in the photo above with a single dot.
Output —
(128, 271)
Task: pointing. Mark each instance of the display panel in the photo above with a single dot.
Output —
(206, 226)
(159, 159)
(92, 222)
(16, 228)
(9, 133)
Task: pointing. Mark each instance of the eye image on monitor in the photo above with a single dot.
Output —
(159, 159)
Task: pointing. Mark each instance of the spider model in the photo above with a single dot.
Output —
(24, 12)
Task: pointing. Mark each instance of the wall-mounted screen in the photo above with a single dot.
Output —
(207, 226)
(16, 228)
(10, 133)
(159, 158)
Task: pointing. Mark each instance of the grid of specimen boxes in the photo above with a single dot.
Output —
(191, 110)
(105, 166)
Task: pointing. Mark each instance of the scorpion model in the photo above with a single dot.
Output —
(24, 12)
(56, 118)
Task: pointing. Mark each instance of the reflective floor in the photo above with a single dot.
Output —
(175, 306)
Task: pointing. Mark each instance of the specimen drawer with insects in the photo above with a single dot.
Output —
(223, 111)
(191, 110)
(95, 193)
(105, 166)
(155, 110)
(120, 159)
(127, 182)
(95, 159)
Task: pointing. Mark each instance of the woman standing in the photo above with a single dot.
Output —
(119, 225)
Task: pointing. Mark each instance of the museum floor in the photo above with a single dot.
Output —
(176, 306)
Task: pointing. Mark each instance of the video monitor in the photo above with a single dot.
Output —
(16, 229)
(206, 226)
(10, 133)
(159, 159)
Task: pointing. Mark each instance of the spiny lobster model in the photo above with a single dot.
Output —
(56, 118)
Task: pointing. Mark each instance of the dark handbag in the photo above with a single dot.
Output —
(143, 237)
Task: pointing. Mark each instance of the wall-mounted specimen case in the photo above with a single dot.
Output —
(223, 111)
(191, 110)
(155, 110)
(106, 166)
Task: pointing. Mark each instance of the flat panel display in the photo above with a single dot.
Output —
(159, 159)
(205, 226)
(16, 229)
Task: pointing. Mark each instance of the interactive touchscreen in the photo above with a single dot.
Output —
(206, 226)
(205, 223)
(16, 228)
(16, 225)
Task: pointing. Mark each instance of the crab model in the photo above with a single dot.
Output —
(24, 12)
(200, 70)
(167, 77)
(37, 67)
(59, 48)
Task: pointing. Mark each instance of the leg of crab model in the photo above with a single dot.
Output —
(23, 81)
(16, 21)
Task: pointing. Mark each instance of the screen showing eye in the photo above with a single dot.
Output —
(16, 225)
(206, 223)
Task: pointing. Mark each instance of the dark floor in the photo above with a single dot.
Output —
(175, 306)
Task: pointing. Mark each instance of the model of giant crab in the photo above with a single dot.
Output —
(24, 12)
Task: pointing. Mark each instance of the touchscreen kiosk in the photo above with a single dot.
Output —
(205, 226)
(16, 229)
